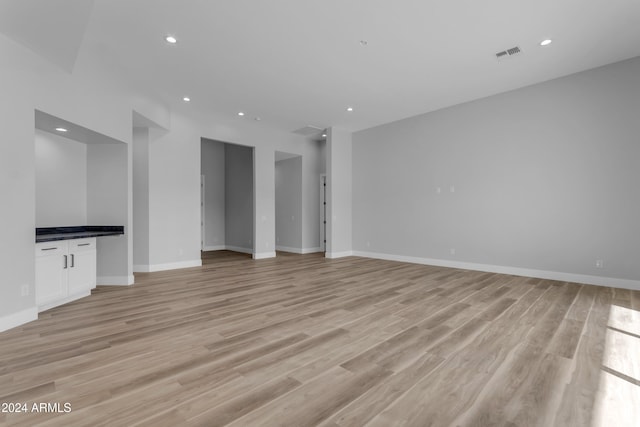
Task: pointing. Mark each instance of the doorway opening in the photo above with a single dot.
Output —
(227, 198)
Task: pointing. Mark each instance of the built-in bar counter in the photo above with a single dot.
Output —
(50, 234)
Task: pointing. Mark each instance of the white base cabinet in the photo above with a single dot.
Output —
(65, 271)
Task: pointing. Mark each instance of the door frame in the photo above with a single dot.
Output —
(323, 212)
(202, 212)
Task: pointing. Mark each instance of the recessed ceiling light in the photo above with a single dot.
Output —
(171, 39)
(324, 135)
(186, 99)
(349, 109)
(240, 113)
(61, 129)
(545, 42)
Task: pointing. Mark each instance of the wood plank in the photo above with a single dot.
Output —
(303, 340)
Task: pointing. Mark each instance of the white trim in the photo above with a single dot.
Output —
(14, 320)
(65, 300)
(203, 216)
(312, 250)
(214, 248)
(238, 249)
(323, 207)
(288, 249)
(263, 255)
(338, 254)
(167, 266)
(515, 271)
(249, 251)
(115, 280)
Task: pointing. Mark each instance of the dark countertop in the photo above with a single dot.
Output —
(50, 234)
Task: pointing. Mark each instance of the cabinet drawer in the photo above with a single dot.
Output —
(51, 248)
(79, 245)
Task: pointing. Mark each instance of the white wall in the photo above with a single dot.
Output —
(239, 197)
(213, 169)
(86, 97)
(174, 196)
(312, 166)
(99, 98)
(17, 190)
(140, 169)
(339, 193)
(108, 204)
(61, 181)
(545, 179)
(288, 204)
(264, 206)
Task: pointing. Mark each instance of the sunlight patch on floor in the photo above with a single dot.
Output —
(618, 400)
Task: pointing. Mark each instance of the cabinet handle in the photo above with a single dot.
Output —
(65, 261)
(73, 260)
(84, 244)
(48, 249)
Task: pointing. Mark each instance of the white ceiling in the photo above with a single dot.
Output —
(300, 62)
(54, 29)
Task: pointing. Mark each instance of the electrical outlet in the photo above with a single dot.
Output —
(599, 263)
(368, 244)
(24, 290)
(452, 188)
(438, 190)
(452, 251)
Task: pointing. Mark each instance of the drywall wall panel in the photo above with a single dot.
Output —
(312, 167)
(543, 178)
(140, 231)
(108, 204)
(61, 181)
(339, 187)
(239, 197)
(288, 203)
(264, 231)
(213, 170)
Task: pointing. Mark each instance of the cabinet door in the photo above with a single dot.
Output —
(51, 274)
(82, 265)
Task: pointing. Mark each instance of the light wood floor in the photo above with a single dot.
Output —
(301, 340)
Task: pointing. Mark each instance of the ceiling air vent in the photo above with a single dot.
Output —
(508, 53)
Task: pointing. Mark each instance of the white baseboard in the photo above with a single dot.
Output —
(338, 254)
(298, 250)
(214, 248)
(263, 255)
(168, 266)
(115, 280)
(515, 271)
(288, 249)
(14, 320)
(239, 249)
(312, 250)
(65, 300)
(250, 251)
